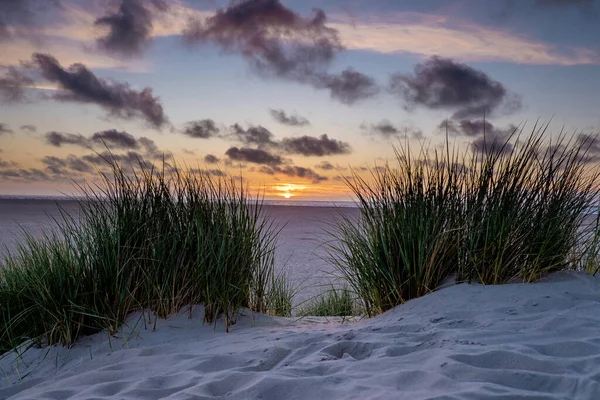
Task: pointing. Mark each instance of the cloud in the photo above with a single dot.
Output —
(80, 85)
(28, 128)
(313, 146)
(278, 42)
(12, 86)
(487, 138)
(474, 128)
(255, 135)
(590, 145)
(325, 166)
(496, 144)
(301, 172)
(211, 159)
(150, 148)
(295, 172)
(348, 87)
(202, 129)
(5, 129)
(387, 130)
(61, 166)
(57, 139)
(212, 172)
(16, 14)
(258, 29)
(255, 156)
(129, 27)
(441, 83)
(383, 128)
(115, 139)
(291, 120)
(111, 138)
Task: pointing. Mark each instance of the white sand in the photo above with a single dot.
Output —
(538, 341)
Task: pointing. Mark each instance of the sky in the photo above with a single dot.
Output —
(293, 96)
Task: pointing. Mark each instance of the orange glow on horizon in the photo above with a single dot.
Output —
(287, 190)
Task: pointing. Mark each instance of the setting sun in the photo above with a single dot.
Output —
(287, 190)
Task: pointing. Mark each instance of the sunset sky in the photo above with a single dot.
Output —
(292, 95)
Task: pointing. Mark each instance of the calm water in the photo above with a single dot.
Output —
(299, 248)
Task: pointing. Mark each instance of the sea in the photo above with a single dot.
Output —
(305, 230)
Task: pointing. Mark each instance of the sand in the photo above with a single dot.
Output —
(517, 341)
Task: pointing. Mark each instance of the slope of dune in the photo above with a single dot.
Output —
(536, 341)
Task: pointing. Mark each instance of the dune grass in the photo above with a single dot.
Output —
(507, 212)
(336, 302)
(144, 238)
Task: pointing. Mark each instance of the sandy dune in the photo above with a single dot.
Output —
(538, 341)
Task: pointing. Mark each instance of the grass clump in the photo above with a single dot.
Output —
(496, 214)
(148, 238)
(334, 303)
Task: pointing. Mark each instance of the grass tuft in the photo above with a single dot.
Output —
(145, 238)
(515, 210)
(334, 303)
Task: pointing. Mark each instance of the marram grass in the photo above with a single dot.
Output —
(513, 211)
(335, 302)
(145, 238)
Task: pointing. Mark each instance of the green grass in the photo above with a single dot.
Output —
(494, 215)
(334, 303)
(145, 238)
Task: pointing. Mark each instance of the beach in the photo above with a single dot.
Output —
(468, 341)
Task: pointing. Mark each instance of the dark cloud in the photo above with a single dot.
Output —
(82, 86)
(255, 156)
(473, 128)
(103, 158)
(202, 129)
(12, 85)
(487, 138)
(294, 171)
(292, 120)
(66, 166)
(129, 27)
(20, 13)
(278, 42)
(255, 135)
(313, 146)
(325, 166)
(301, 172)
(259, 29)
(115, 139)
(348, 87)
(210, 159)
(590, 143)
(441, 83)
(112, 139)
(25, 175)
(383, 128)
(28, 128)
(212, 172)
(493, 143)
(57, 139)
(5, 129)
(387, 130)
(266, 170)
